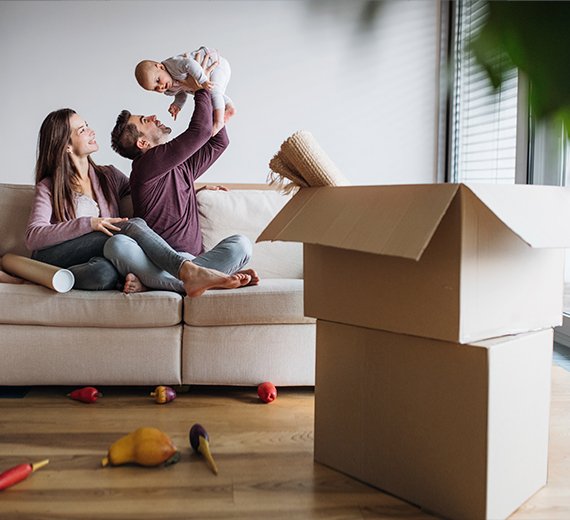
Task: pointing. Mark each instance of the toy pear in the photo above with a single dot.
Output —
(145, 446)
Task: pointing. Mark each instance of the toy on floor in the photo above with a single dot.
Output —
(145, 446)
(88, 394)
(199, 440)
(163, 394)
(18, 473)
(267, 392)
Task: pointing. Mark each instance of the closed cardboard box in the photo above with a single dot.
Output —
(460, 430)
(445, 261)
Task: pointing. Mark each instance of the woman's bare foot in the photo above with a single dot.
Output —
(198, 280)
(253, 274)
(133, 285)
(8, 278)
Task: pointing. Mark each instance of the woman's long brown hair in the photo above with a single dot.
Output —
(54, 162)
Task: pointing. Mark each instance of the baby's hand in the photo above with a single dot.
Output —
(174, 109)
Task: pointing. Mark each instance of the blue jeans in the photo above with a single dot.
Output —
(156, 264)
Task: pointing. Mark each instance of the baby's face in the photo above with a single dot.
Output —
(158, 79)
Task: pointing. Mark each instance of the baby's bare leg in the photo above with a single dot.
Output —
(218, 120)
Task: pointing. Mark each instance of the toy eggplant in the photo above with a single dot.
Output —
(145, 446)
(199, 440)
(163, 394)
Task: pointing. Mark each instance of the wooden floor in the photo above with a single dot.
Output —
(264, 454)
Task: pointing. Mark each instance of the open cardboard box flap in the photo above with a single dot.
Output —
(400, 220)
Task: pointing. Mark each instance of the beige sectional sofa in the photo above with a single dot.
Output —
(225, 337)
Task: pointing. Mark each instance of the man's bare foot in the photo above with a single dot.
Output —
(8, 278)
(198, 280)
(133, 285)
(229, 112)
(253, 274)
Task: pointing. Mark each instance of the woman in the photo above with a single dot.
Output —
(75, 211)
(76, 202)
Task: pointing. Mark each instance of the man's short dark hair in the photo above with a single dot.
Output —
(124, 137)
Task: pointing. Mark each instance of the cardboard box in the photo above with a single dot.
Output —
(446, 261)
(460, 430)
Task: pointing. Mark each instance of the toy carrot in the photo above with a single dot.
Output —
(18, 473)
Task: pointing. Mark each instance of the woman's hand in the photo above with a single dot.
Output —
(106, 224)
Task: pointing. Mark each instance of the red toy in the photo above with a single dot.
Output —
(267, 392)
(18, 473)
(89, 394)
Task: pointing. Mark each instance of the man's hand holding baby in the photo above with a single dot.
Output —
(191, 84)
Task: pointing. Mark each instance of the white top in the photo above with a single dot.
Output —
(85, 206)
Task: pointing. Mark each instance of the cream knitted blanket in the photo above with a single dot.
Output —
(300, 163)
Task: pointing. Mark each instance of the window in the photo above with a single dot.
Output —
(549, 154)
(483, 121)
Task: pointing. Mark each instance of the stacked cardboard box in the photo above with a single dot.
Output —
(435, 306)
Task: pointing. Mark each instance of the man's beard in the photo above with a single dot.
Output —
(159, 136)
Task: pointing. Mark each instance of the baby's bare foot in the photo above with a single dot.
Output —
(253, 274)
(198, 280)
(133, 285)
(229, 112)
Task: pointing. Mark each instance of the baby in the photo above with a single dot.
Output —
(169, 77)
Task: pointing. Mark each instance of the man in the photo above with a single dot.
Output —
(162, 182)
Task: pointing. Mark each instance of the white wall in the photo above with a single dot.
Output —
(369, 98)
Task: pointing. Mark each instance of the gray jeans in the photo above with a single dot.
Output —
(138, 250)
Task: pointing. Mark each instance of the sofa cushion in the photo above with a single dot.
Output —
(274, 300)
(15, 206)
(248, 212)
(29, 304)
(38, 355)
(235, 355)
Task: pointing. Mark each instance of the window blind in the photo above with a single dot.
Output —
(484, 121)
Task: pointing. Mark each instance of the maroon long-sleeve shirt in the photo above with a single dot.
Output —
(162, 179)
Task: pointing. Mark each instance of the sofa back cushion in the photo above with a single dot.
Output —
(15, 205)
(247, 212)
